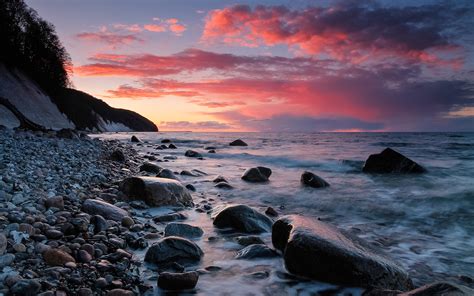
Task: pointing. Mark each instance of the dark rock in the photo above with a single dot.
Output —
(191, 187)
(117, 155)
(256, 251)
(440, 289)
(183, 230)
(67, 133)
(390, 161)
(220, 179)
(238, 142)
(120, 292)
(312, 180)
(53, 234)
(322, 252)
(134, 139)
(192, 153)
(210, 148)
(258, 174)
(83, 256)
(172, 146)
(127, 222)
(249, 240)
(167, 174)
(156, 191)
(99, 223)
(178, 281)
(173, 249)
(241, 218)
(211, 151)
(223, 185)
(150, 168)
(26, 287)
(166, 141)
(3, 243)
(188, 173)
(55, 202)
(170, 217)
(271, 212)
(57, 257)
(104, 209)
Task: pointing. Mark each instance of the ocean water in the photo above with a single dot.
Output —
(424, 222)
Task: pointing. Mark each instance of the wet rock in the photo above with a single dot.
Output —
(167, 174)
(191, 187)
(3, 243)
(173, 249)
(390, 161)
(241, 218)
(26, 287)
(312, 180)
(440, 289)
(223, 185)
(120, 292)
(238, 142)
(150, 168)
(211, 151)
(53, 234)
(256, 251)
(57, 257)
(249, 240)
(166, 141)
(172, 146)
(127, 222)
(55, 202)
(134, 139)
(322, 252)
(220, 179)
(170, 217)
(258, 174)
(104, 209)
(99, 223)
(192, 153)
(271, 212)
(183, 230)
(117, 155)
(6, 260)
(156, 191)
(83, 256)
(178, 281)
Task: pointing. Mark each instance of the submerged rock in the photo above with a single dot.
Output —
(134, 139)
(192, 153)
(173, 249)
(150, 168)
(390, 161)
(223, 185)
(312, 180)
(322, 252)
(241, 218)
(178, 281)
(258, 174)
(183, 230)
(156, 191)
(104, 209)
(167, 174)
(256, 251)
(238, 142)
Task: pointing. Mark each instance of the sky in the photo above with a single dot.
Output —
(295, 66)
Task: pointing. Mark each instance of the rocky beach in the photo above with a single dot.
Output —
(89, 216)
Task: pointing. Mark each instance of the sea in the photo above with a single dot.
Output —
(425, 222)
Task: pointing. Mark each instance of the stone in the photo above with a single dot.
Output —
(134, 139)
(172, 146)
(99, 223)
(120, 292)
(6, 260)
(440, 289)
(170, 217)
(256, 251)
(173, 249)
(83, 256)
(26, 287)
(127, 221)
(104, 209)
(183, 230)
(238, 142)
(322, 252)
(312, 180)
(167, 174)
(241, 218)
(19, 248)
(156, 191)
(55, 202)
(223, 185)
(117, 155)
(249, 240)
(57, 257)
(192, 153)
(219, 179)
(190, 187)
(67, 133)
(257, 174)
(53, 234)
(178, 281)
(390, 161)
(150, 168)
(166, 141)
(3, 243)
(271, 212)
(85, 292)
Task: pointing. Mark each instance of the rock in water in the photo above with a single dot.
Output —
(312, 180)
(183, 230)
(134, 139)
(256, 251)
(150, 168)
(173, 249)
(238, 142)
(156, 191)
(241, 218)
(178, 281)
(192, 153)
(104, 209)
(440, 289)
(167, 174)
(322, 252)
(57, 257)
(390, 161)
(258, 174)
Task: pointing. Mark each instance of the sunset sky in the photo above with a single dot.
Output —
(275, 65)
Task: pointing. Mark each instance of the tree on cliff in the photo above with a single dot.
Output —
(31, 44)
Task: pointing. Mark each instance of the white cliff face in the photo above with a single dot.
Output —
(30, 100)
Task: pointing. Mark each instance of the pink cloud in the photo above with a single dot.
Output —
(112, 39)
(154, 28)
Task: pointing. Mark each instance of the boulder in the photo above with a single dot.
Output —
(104, 209)
(440, 289)
(241, 218)
(390, 161)
(258, 174)
(178, 281)
(322, 252)
(172, 146)
(57, 257)
(238, 142)
(150, 168)
(256, 251)
(192, 153)
(167, 174)
(183, 230)
(156, 191)
(312, 180)
(173, 249)
(134, 139)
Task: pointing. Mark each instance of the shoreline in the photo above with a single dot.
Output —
(77, 170)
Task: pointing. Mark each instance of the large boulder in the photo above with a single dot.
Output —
(320, 251)
(156, 191)
(238, 142)
(312, 180)
(241, 218)
(257, 174)
(390, 161)
(178, 281)
(173, 249)
(104, 209)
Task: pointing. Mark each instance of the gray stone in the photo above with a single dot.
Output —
(241, 218)
(178, 281)
(183, 230)
(256, 251)
(312, 180)
(26, 287)
(257, 175)
(104, 209)
(173, 249)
